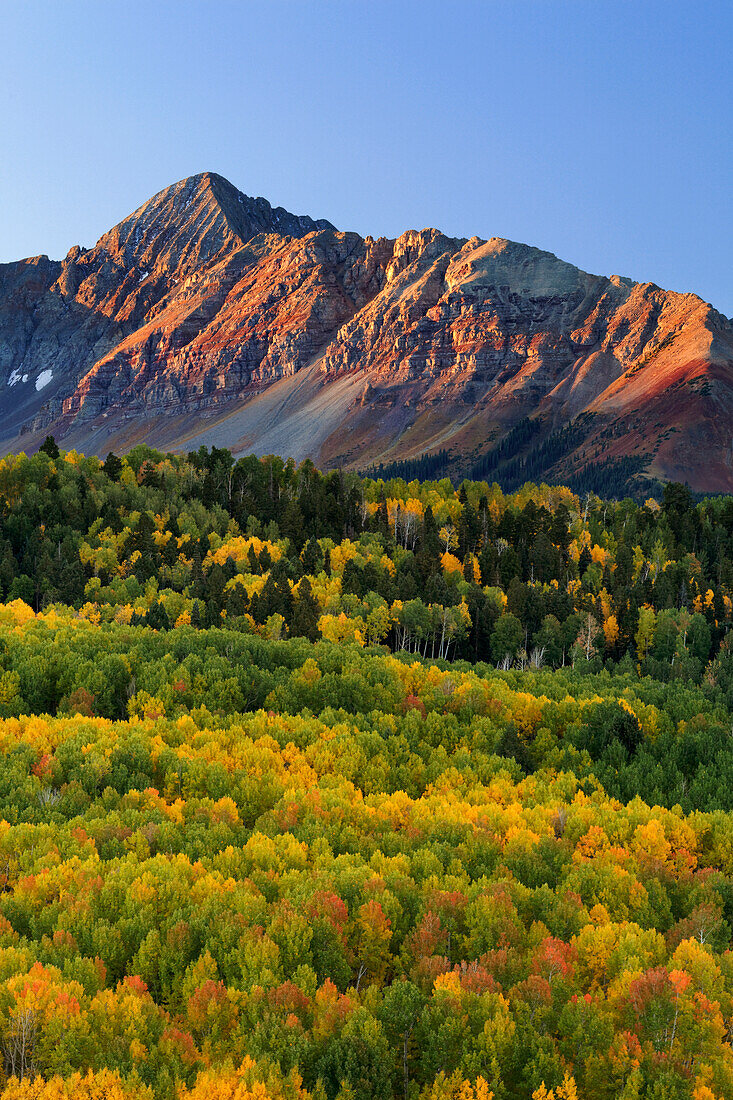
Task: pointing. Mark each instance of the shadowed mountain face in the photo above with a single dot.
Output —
(209, 317)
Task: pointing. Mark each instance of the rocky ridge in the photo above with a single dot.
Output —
(209, 316)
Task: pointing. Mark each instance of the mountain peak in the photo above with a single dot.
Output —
(202, 317)
(191, 221)
(249, 216)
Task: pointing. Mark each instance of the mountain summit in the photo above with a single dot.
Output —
(192, 222)
(207, 316)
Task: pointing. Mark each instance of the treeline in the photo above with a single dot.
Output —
(518, 459)
(541, 577)
(505, 453)
(426, 467)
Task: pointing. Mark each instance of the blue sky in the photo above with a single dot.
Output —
(598, 130)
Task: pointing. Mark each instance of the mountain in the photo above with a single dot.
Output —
(208, 317)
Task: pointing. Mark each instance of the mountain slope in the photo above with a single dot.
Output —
(207, 316)
(66, 328)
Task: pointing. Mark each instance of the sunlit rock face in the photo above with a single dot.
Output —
(209, 316)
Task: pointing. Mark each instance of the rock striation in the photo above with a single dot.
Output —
(207, 316)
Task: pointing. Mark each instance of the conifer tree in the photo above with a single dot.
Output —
(305, 613)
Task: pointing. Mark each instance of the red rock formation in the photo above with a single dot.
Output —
(207, 316)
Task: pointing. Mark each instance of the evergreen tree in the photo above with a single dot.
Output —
(305, 613)
(311, 556)
(49, 447)
(112, 466)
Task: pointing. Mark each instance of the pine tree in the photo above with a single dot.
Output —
(49, 447)
(305, 613)
(112, 466)
(311, 556)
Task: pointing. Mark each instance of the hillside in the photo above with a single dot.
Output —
(208, 317)
(321, 787)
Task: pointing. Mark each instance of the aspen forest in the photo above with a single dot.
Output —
(319, 786)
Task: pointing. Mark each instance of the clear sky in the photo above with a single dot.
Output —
(601, 130)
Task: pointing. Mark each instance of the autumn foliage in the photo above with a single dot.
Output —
(274, 826)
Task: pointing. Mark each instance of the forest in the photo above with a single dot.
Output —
(326, 787)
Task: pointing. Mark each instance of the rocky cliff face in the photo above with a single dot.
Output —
(208, 316)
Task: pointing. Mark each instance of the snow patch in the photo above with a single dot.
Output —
(15, 376)
(43, 379)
